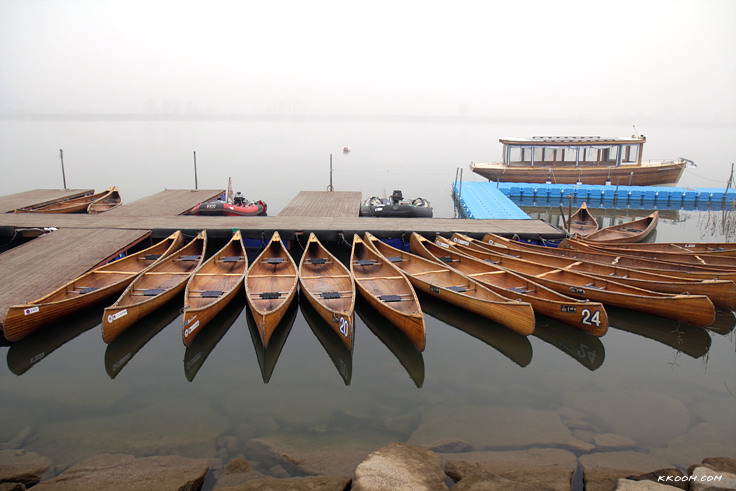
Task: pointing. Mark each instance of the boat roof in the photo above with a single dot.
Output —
(572, 140)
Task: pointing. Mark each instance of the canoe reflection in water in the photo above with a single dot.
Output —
(685, 338)
(267, 357)
(585, 348)
(37, 346)
(211, 334)
(396, 341)
(336, 349)
(122, 349)
(724, 323)
(514, 346)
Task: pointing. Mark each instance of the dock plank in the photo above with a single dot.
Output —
(169, 202)
(323, 204)
(42, 265)
(12, 202)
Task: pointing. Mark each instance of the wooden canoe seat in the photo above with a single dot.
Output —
(84, 289)
(189, 258)
(270, 295)
(151, 257)
(274, 260)
(592, 285)
(519, 289)
(330, 295)
(231, 259)
(211, 294)
(366, 262)
(458, 288)
(390, 298)
(152, 292)
(317, 260)
(447, 259)
(394, 259)
(491, 261)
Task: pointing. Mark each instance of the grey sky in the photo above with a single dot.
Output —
(623, 59)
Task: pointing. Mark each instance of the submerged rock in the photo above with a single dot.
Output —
(399, 466)
(116, 471)
(21, 466)
(313, 483)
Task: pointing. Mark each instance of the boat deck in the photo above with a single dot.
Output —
(83, 241)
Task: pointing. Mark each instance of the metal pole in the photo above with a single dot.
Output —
(330, 188)
(195, 170)
(63, 174)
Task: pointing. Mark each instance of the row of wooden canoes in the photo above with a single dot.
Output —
(91, 203)
(503, 280)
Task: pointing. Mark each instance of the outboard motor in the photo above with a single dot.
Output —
(239, 199)
(397, 196)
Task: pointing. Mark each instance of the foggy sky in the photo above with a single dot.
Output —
(666, 60)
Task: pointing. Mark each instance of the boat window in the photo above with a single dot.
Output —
(630, 153)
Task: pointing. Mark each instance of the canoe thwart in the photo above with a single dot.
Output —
(458, 288)
(84, 289)
(317, 260)
(330, 295)
(151, 257)
(390, 298)
(274, 260)
(394, 259)
(231, 259)
(152, 292)
(270, 295)
(211, 294)
(366, 262)
(189, 258)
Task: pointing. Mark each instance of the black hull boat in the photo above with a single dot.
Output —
(396, 207)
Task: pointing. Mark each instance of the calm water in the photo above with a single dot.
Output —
(668, 388)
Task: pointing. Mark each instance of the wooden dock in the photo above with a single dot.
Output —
(83, 241)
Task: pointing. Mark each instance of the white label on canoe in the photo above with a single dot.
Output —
(442, 244)
(113, 317)
(30, 311)
(344, 326)
(190, 329)
(461, 241)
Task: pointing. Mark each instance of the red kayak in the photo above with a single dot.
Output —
(223, 208)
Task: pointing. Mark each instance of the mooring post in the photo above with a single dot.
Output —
(195, 170)
(330, 188)
(63, 174)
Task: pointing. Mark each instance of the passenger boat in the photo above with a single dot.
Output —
(585, 160)
(718, 263)
(446, 284)
(601, 256)
(388, 291)
(581, 314)
(633, 231)
(213, 285)
(107, 202)
(582, 222)
(721, 292)
(239, 207)
(153, 288)
(694, 309)
(92, 287)
(74, 205)
(329, 288)
(396, 207)
(270, 286)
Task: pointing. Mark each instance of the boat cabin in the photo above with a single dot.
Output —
(572, 151)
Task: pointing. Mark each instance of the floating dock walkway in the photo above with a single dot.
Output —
(83, 241)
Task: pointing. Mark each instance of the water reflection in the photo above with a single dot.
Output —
(586, 349)
(396, 341)
(206, 340)
(122, 349)
(691, 340)
(724, 323)
(267, 357)
(514, 346)
(35, 347)
(340, 355)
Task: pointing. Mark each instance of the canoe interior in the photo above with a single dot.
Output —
(271, 278)
(327, 279)
(218, 276)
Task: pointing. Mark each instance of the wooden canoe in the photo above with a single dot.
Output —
(582, 222)
(633, 231)
(212, 286)
(721, 292)
(440, 281)
(270, 286)
(388, 291)
(599, 256)
(74, 205)
(698, 248)
(90, 288)
(721, 263)
(153, 288)
(694, 309)
(581, 314)
(329, 288)
(107, 202)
